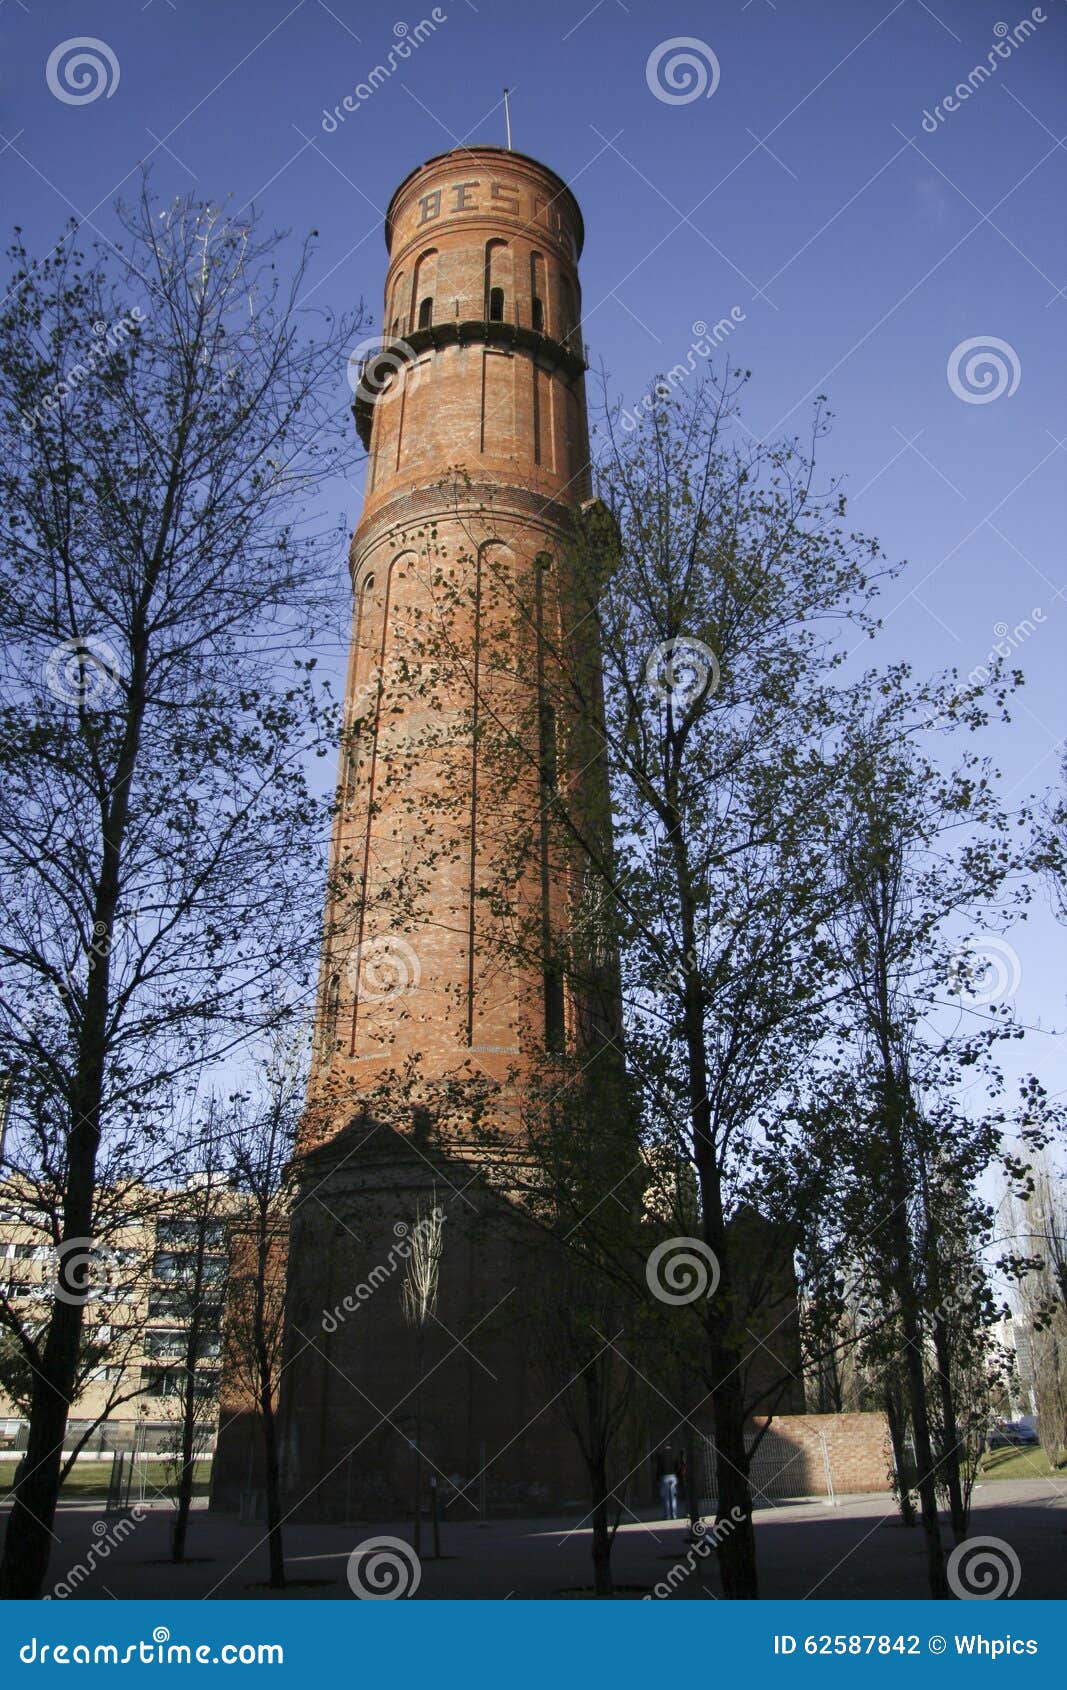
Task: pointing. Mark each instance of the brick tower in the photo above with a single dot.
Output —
(441, 972)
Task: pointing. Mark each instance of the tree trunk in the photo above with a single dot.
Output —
(924, 1460)
(950, 1453)
(737, 1548)
(603, 1583)
(185, 1477)
(275, 1549)
(895, 1418)
(29, 1537)
(912, 1332)
(28, 1540)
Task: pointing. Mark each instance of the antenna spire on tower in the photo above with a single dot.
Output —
(507, 115)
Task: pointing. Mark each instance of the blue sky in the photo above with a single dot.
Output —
(861, 247)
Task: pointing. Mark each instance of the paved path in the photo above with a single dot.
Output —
(857, 1549)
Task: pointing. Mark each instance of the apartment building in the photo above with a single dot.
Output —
(162, 1257)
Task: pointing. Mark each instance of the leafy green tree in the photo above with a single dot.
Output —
(915, 1095)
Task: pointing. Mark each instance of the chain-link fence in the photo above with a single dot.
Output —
(779, 1470)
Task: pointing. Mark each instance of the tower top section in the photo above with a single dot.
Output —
(483, 185)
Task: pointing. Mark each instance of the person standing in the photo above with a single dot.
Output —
(667, 1478)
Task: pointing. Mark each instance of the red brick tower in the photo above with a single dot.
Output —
(434, 990)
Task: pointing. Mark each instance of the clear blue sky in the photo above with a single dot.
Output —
(861, 247)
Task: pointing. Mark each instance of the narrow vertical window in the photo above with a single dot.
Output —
(425, 313)
(423, 287)
(495, 253)
(329, 1027)
(537, 292)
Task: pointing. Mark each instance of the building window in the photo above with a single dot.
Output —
(537, 292)
(166, 1346)
(168, 1382)
(172, 1233)
(554, 1016)
(423, 288)
(333, 1001)
(183, 1266)
(178, 1305)
(425, 313)
(497, 274)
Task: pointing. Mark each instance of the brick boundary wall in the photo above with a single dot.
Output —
(857, 1444)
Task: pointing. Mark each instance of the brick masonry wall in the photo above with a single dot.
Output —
(857, 1444)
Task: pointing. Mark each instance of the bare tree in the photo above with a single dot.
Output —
(192, 1260)
(261, 1141)
(167, 414)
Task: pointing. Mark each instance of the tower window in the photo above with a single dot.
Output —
(423, 288)
(333, 1000)
(496, 305)
(555, 1023)
(537, 291)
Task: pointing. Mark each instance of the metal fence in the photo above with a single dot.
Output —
(145, 1437)
(778, 1471)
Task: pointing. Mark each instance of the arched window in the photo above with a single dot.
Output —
(537, 292)
(495, 252)
(329, 1020)
(397, 315)
(423, 283)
